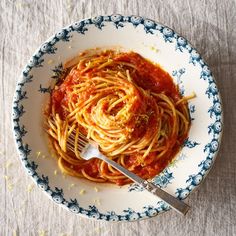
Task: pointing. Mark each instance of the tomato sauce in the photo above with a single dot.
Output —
(149, 77)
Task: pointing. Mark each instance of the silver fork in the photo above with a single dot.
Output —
(89, 149)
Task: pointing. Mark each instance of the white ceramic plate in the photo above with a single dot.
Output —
(159, 44)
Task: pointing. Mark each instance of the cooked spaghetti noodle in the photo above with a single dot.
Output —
(126, 104)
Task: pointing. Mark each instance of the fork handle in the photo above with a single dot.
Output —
(173, 202)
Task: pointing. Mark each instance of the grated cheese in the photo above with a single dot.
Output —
(71, 186)
(55, 172)
(6, 177)
(8, 164)
(42, 233)
(63, 175)
(154, 49)
(22, 5)
(30, 187)
(96, 189)
(50, 62)
(14, 233)
(97, 201)
(38, 154)
(64, 234)
(82, 192)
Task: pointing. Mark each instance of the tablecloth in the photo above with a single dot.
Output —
(208, 25)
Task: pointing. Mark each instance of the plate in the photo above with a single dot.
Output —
(154, 41)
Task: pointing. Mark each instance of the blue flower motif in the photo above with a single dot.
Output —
(194, 179)
(150, 211)
(48, 48)
(45, 90)
(63, 35)
(134, 216)
(98, 21)
(24, 150)
(136, 20)
(212, 90)
(19, 132)
(205, 165)
(212, 147)
(30, 168)
(117, 19)
(190, 144)
(43, 182)
(18, 111)
(178, 74)
(192, 110)
(194, 57)
(74, 206)
(182, 193)
(36, 61)
(17, 135)
(112, 216)
(215, 110)
(26, 78)
(181, 44)
(162, 206)
(168, 34)
(205, 72)
(149, 26)
(27, 69)
(93, 213)
(135, 187)
(19, 95)
(131, 214)
(59, 72)
(79, 27)
(215, 128)
(163, 179)
(57, 196)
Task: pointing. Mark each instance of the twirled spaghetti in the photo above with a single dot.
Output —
(126, 104)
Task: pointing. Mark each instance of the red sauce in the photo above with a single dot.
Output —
(148, 76)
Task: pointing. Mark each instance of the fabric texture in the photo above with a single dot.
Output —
(208, 25)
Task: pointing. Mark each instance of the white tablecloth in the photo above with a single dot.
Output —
(209, 25)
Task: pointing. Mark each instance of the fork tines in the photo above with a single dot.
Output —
(82, 141)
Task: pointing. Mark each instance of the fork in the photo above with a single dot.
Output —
(88, 149)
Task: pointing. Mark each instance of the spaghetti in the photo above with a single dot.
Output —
(126, 104)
